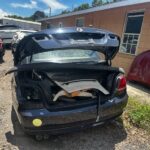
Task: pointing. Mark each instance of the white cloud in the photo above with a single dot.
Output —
(53, 11)
(55, 5)
(3, 13)
(31, 5)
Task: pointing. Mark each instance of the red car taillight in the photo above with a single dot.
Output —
(121, 83)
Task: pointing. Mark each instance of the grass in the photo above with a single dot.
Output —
(138, 114)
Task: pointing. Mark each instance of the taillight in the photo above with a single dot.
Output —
(121, 83)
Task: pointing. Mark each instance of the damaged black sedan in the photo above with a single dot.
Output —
(63, 80)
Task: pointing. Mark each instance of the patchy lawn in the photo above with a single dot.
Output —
(138, 114)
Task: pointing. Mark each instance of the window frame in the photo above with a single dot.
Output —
(78, 19)
(124, 29)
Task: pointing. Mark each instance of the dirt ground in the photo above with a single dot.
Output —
(113, 136)
(141, 93)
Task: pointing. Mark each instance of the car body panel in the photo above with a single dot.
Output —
(67, 121)
(19, 35)
(2, 49)
(46, 40)
(139, 70)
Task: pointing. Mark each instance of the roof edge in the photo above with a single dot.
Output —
(99, 8)
(21, 20)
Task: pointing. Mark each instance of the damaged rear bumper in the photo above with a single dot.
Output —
(71, 120)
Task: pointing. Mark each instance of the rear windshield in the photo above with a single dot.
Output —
(66, 56)
(78, 36)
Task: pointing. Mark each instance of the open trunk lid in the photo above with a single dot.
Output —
(66, 38)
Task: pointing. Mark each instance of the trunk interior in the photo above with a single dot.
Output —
(39, 86)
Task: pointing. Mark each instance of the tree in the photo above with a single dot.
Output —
(82, 7)
(97, 3)
(65, 12)
(37, 15)
(15, 17)
(107, 2)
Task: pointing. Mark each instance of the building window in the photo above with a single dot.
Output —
(132, 32)
(60, 24)
(1, 22)
(79, 22)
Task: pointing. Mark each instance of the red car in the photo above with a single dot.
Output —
(140, 69)
(2, 50)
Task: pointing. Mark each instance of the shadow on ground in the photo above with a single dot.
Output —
(139, 86)
(1, 60)
(102, 137)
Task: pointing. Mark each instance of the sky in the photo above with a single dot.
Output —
(26, 8)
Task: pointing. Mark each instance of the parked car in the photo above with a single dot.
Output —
(2, 50)
(140, 69)
(7, 32)
(20, 34)
(63, 80)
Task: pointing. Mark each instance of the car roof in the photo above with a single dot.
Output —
(22, 30)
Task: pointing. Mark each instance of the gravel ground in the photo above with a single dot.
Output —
(113, 136)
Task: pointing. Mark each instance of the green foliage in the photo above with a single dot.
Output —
(40, 14)
(15, 16)
(65, 12)
(82, 7)
(37, 15)
(97, 3)
(139, 113)
(87, 6)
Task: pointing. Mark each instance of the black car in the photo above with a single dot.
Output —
(63, 80)
(2, 50)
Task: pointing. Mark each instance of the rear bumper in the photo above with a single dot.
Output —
(72, 120)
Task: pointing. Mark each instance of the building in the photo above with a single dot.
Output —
(24, 24)
(130, 19)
